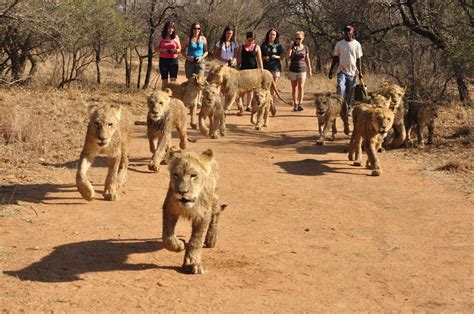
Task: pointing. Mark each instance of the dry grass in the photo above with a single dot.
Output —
(46, 128)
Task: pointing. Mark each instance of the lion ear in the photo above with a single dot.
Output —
(168, 91)
(173, 153)
(91, 108)
(117, 110)
(207, 155)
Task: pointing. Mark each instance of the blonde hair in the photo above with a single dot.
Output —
(300, 33)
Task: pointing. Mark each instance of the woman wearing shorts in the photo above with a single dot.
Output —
(299, 65)
(195, 51)
(169, 48)
(272, 52)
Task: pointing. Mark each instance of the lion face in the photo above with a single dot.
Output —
(158, 104)
(396, 94)
(322, 105)
(381, 101)
(260, 97)
(188, 174)
(104, 122)
(382, 120)
(210, 95)
(215, 75)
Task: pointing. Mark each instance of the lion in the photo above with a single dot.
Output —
(262, 101)
(164, 114)
(212, 108)
(108, 133)
(192, 195)
(421, 114)
(328, 107)
(189, 92)
(371, 124)
(234, 83)
(398, 134)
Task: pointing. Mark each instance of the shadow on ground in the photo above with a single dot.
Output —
(312, 167)
(68, 261)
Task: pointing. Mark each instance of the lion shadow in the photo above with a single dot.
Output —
(36, 193)
(67, 262)
(312, 167)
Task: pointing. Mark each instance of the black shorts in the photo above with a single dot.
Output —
(170, 66)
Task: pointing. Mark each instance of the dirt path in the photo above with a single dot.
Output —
(304, 231)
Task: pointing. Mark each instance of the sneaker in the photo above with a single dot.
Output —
(300, 108)
(295, 108)
(247, 109)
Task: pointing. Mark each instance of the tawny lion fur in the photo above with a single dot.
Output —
(164, 114)
(370, 124)
(192, 194)
(234, 82)
(262, 102)
(189, 92)
(421, 114)
(212, 108)
(108, 133)
(398, 133)
(328, 108)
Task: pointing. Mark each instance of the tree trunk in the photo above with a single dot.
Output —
(149, 67)
(128, 69)
(463, 88)
(97, 62)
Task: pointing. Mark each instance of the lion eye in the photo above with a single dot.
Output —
(193, 176)
(175, 175)
(110, 125)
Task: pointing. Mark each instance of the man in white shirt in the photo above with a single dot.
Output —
(347, 54)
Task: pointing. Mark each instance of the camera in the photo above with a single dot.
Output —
(195, 59)
(295, 43)
(229, 62)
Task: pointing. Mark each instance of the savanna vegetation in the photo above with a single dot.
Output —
(56, 53)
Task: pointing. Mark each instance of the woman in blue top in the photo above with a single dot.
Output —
(195, 51)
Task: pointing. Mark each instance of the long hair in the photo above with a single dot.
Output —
(226, 29)
(201, 33)
(164, 32)
(267, 36)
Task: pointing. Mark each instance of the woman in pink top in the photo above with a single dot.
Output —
(169, 48)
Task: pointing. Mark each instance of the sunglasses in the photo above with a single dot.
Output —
(298, 38)
(198, 28)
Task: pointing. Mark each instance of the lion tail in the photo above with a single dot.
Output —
(274, 87)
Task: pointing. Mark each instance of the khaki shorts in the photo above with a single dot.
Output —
(293, 76)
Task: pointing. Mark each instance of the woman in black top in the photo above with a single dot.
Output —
(249, 57)
(272, 52)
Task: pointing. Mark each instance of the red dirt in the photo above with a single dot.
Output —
(304, 231)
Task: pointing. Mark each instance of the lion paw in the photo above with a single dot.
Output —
(174, 244)
(320, 142)
(376, 172)
(214, 136)
(182, 144)
(195, 269)
(153, 167)
(109, 196)
(86, 192)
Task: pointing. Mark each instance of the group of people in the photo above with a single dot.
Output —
(227, 52)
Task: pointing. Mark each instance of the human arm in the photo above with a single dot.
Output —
(335, 61)
(184, 50)
(204, 55)
(307, 59)
(178, 46)
(259, 57)
(359, 68)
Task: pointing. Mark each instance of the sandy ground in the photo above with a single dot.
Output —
(304, 231)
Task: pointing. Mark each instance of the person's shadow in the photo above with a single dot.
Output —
(68, 261)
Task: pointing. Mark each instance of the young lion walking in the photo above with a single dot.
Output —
(164, 113)
(192, 194)
(108, 133)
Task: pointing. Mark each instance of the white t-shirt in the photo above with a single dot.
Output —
(227, 53)
(348, 52)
